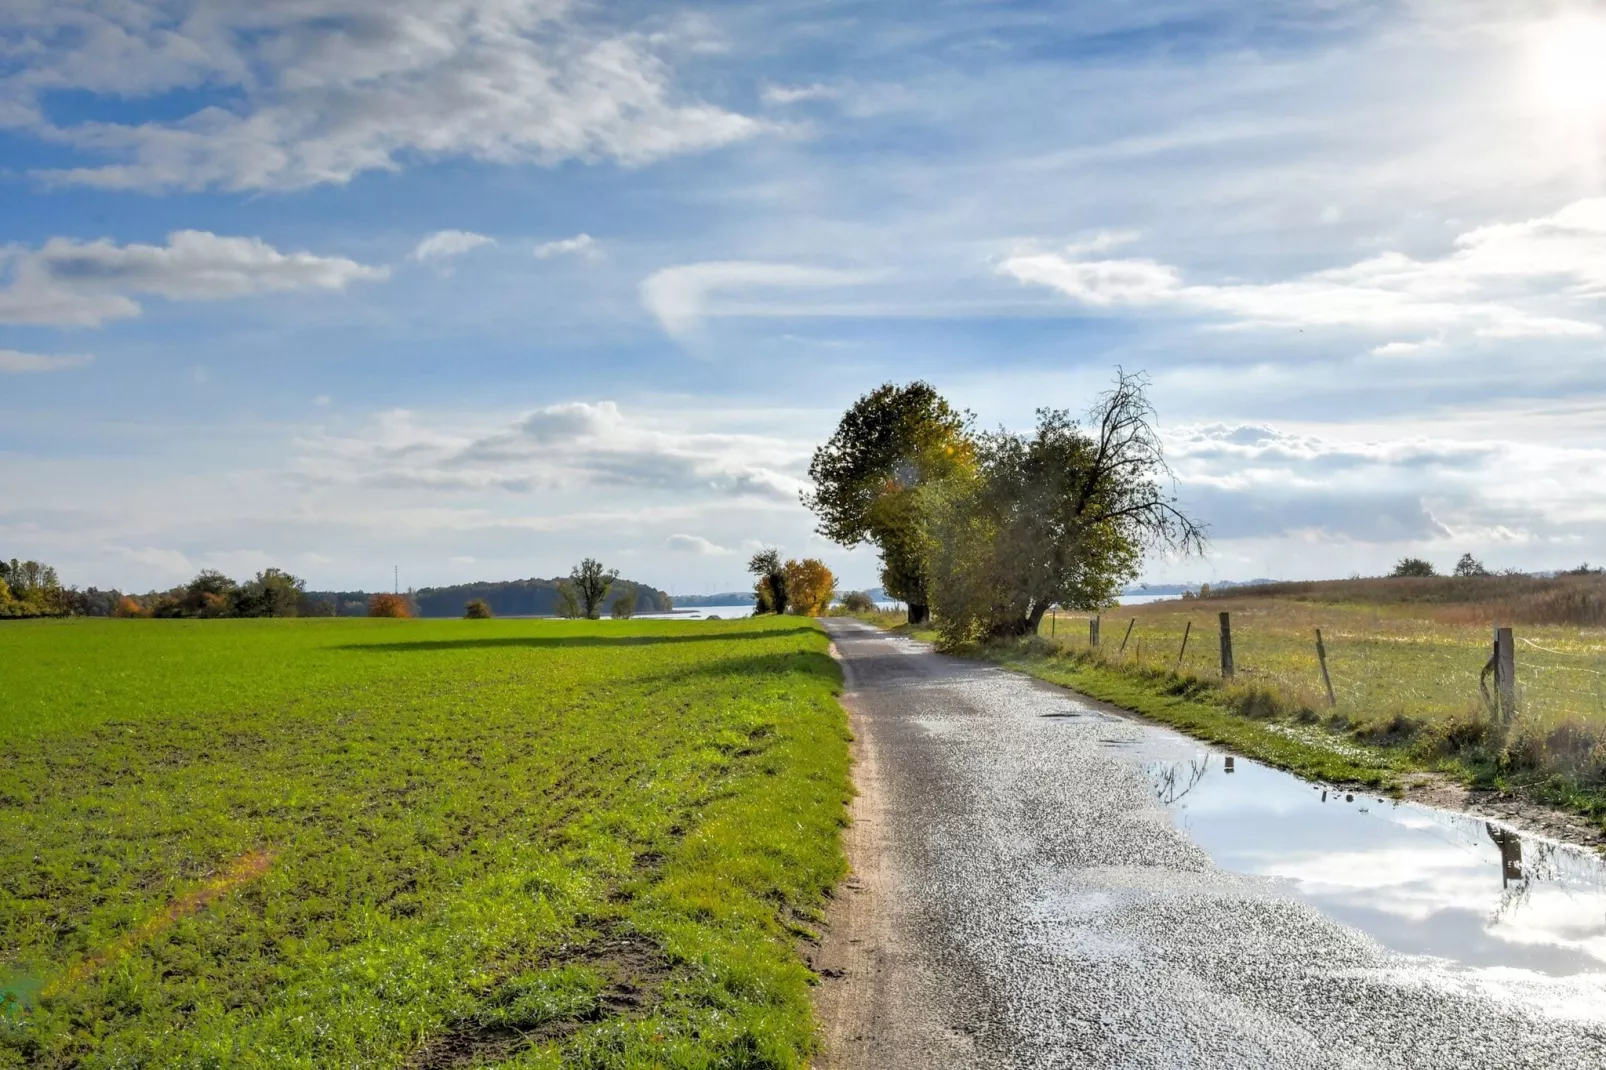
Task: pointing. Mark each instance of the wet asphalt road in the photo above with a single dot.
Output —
(1041, 910)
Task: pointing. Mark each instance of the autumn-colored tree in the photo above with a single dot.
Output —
(809, 586)
(868, 478)
(130, 608)
(477, 609)
(389, 605)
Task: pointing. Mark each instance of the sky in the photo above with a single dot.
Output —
(475, 288)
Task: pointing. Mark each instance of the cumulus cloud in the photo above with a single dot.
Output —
(13, 361)
(575, 446)
(696, 544)
(581, 244)
(77, 283)
(681, 296)
(444, 244)
(1253, 481)
(1540, 278)
(319, 93)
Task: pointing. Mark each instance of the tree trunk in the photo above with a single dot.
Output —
(919, 613)
(1034, 620)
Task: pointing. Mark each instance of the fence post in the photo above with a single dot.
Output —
(1321, 656)
(1505, 673)
(1053, 621)
(1092, 632)
(1226, 646)
(1127, 636)
(1186, 628)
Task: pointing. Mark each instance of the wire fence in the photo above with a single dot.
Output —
(1380, 663)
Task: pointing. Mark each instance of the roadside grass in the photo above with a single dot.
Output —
(338, 843)
(1405, 678)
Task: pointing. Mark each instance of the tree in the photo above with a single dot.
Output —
(624, 607)
(130, 608)
(591, 584)
(389, 605)
(568, 602)
(209, 594)
(477, 609)
(1063, 517)
(857, 602)
(809, 586)
(771, 586)
(273, 593)
(1469, 566)
(1412, 566)
(867, 479)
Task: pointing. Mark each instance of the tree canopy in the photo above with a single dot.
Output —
(867, 479)
(591, 583)
(1413, 566)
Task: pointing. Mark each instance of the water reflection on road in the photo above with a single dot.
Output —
(1417, 879)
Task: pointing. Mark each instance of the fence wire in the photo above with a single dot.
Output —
(1381, 663)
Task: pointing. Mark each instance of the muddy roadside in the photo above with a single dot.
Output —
(872, 1001)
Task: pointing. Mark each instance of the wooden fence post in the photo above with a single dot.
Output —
(1127, 636)
(1226, 646)
(1505, 673)
(1186, 628)
(1321, 656)
(1053, 621)
(1093, 632)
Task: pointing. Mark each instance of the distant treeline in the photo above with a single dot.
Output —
(507, 598)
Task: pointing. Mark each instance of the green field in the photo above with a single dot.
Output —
(414, 844)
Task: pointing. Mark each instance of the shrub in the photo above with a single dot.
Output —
(128, 607)
(1413, 566)
(858, 602)
(389, 605)
(624, 607)
(477, 609)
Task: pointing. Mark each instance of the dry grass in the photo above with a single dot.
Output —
(1403, 673)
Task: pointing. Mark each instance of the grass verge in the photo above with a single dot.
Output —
(1259, 720)
(414, 844)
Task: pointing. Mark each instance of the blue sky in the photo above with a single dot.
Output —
(477, 287)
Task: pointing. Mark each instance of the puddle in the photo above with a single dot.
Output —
(1416, 879)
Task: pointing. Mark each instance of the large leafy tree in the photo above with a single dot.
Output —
(868, 479)
(1061, 517)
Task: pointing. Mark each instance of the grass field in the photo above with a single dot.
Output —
(338, 843)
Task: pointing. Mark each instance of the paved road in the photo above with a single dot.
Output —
(1021, 900)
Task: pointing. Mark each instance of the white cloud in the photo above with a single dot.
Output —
(13, 361)
(78, 283)
(570, 447)
(681, 296)
(782, 95)
(581, 244)
(1539, 278)
(444, 244)
(696, 544)
(323, 92)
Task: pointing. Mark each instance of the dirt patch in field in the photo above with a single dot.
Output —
(636, 969)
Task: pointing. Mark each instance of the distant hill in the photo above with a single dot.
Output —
(507, 598)
(729, 598)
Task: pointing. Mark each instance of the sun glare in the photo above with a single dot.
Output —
(1570, 65)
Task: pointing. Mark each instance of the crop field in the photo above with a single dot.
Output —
(355, 843)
